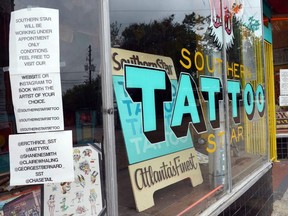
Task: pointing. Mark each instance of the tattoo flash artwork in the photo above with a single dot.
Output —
(76, 155)
(85, 167)
(81, 197)
(94, 177)
(51, 204)
(80, 180)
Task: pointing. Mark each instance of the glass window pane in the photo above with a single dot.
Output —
(248, 130)
(80, 93)
(151, 35)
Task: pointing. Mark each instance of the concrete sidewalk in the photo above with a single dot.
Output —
(280, 207)
(280, 188)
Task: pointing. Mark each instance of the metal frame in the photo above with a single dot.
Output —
(108, 114)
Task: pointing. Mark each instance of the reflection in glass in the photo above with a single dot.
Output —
(183, 32)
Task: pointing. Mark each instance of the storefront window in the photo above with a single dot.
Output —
(175, 37)
(73, 79)
(212, 93)
(248, 128)
(189, 104)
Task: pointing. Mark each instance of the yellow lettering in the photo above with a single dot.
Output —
(212, 143)
(242, 70)
(235, 66)
(208, 65)
(199, 68)
(240, 133)
(230, 70)
(233, 136)
(237, 136)
(183, 54)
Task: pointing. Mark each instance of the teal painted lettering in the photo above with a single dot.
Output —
(249, 101)
(132, 122)
(128, 105)
(260, 102)
(187, 103)
(211, 89)
(235, 95)
(151, 87)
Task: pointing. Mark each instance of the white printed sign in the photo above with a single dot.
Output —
(41, 158)
(283, 100)
(34, 41)
(283, 82)
(37, 101)
(35, 70)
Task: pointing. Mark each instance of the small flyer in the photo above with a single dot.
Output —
(41, 158)
(284, 84)
(84, 195)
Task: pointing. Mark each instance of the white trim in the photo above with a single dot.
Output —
(220, 205)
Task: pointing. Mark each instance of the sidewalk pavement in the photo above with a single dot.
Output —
(280, 188)
(280, 207)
